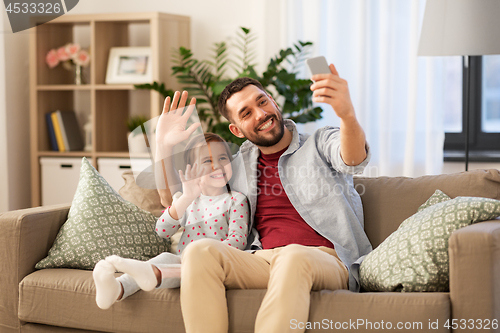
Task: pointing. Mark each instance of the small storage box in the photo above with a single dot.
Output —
(112, 169)
(60, 178)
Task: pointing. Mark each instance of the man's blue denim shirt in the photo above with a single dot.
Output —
(319, 185)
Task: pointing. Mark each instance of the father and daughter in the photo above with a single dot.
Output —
(207, 208)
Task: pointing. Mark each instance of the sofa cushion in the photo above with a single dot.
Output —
(388, 201)
(365, 312)
(415, 257)
(144, 198)
(101, 223)
(66, 298)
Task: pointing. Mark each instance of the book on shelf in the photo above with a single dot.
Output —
(62, 129)
(67, 131)
(57, 131)
(52, 134)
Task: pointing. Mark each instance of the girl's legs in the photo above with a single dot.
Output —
(145, 275)
(138, 275)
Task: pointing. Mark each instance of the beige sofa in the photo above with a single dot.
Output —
(62, 300)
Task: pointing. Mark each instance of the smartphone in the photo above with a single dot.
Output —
(318, 65)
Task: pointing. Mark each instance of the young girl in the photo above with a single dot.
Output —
(207, 208)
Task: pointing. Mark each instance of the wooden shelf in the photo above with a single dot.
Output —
(145, 17)
(65, 154)
(108, 105)
(114, 87)
(123, 154)
(56, 87)
(71, 87)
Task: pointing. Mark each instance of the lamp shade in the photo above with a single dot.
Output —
(460, 27)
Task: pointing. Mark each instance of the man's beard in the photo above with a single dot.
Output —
(279, 126)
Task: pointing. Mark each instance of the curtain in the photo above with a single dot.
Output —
(398, 97)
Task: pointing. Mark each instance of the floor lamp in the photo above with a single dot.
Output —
(461, 27)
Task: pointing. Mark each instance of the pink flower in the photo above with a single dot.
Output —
(82, 59)
(72, 50)
(52, 59)
(62, 54)
(67, 55)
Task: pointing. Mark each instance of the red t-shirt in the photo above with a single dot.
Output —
(277, 221)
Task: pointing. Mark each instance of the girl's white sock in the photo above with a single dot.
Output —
(107, 287)
(141, 271)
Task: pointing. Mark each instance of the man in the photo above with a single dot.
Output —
(306, 217)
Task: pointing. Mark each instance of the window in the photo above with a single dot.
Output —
(453, 94)
(490, 102)
(484, 120)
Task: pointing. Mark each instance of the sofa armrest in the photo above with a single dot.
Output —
(475, 273)
(25, 238)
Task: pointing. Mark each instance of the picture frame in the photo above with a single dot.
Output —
(129, 65)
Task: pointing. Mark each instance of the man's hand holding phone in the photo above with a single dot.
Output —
(329, 88)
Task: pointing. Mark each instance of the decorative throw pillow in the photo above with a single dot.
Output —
(101, 223)
(437, 197)
(144, 198)
(415, 257)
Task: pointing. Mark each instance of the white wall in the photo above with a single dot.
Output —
(14, 119)
(4, 179)
(211, 21)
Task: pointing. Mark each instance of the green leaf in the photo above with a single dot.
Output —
(135, 121)
(222, 65)
(219, 86)
(309, 115)
(157, 87)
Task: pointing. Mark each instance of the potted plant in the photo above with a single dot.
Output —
(206, 79)
(137, 134)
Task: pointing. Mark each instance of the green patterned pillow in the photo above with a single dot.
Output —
(436, 198)
(101, 223)
(415, 257)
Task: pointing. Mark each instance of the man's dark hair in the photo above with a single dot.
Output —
(231, 89)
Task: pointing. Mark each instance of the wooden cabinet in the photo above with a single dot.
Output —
(108, 106)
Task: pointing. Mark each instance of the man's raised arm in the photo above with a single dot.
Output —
(333, 90)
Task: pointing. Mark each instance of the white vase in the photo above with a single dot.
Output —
(137, 143)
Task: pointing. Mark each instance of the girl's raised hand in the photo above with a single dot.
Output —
(191, 181)
(171, 127)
